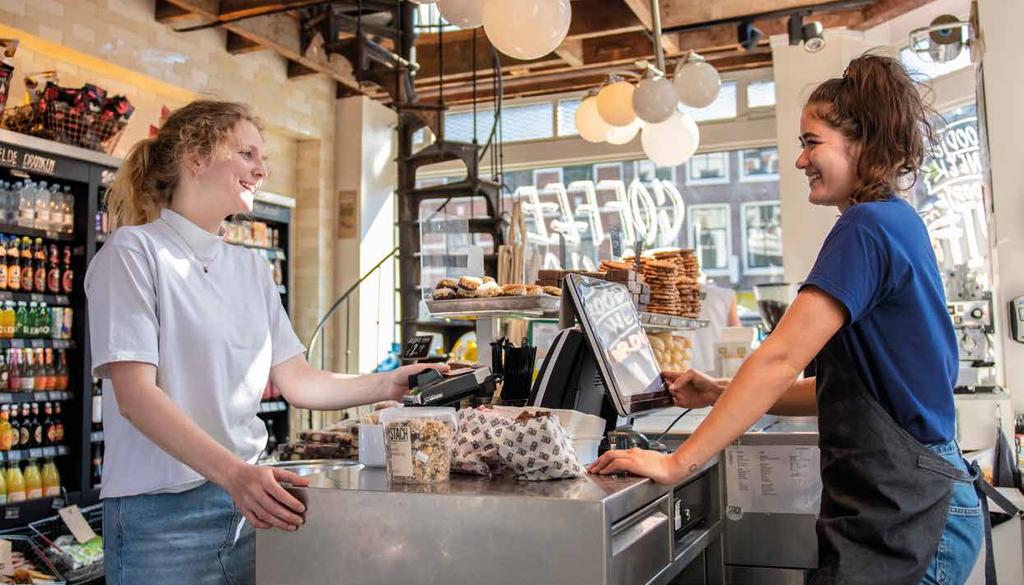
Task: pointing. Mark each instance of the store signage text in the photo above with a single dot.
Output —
(653, 215)
(14, 158)
(955, 210)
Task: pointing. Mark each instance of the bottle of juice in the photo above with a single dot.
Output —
(13, 370)
(21, 320)
(32, 321)
(28, 274)
(28, 371)
(62, 371)
(33, 481)
(15, 484)
(51, 479)
(3, 488)
(7, 319)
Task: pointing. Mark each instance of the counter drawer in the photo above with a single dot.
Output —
(642, 544)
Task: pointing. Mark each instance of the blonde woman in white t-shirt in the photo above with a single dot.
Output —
(185, 332)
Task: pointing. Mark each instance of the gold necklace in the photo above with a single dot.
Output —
(190, 248)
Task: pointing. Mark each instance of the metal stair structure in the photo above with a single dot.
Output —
(359, 31)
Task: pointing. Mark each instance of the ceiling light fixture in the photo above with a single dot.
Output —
(748, 35)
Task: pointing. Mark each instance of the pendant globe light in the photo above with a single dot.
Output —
(465, 14)
(696, 81)
(624, 134)
(589, 123)
(526, 29)
(615, 102)
(655, 99)
(672, 142)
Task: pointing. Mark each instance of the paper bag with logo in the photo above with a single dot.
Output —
(535, 447)
(475, 451)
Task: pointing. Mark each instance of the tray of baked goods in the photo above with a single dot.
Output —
(472, 297)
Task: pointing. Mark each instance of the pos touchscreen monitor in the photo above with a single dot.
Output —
(617, 341)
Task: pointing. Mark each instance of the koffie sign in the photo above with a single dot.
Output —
(27, 161)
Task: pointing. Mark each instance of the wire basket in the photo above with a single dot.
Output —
(22, 543)
(48, 530)
(59, 122)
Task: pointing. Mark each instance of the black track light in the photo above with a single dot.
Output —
(748, 35)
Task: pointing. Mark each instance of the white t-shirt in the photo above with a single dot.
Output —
(213, 337)
(715, 309)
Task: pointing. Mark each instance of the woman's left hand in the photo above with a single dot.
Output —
(399, 379)
(661, 468)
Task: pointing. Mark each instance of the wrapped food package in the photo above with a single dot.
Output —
(419, 443)
(536, 448)
(476, 451)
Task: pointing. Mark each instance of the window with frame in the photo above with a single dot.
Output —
(647, 171)
(761, 94)
(759, 164)
(762, 237)
(710, 168)
(710, 234)
(567, 117)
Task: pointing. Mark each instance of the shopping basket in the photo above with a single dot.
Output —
(48, 530)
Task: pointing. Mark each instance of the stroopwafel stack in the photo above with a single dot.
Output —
(661, 276)
(686, 281)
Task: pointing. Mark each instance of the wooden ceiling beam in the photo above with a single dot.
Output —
(689, 12)
(167, 13)
(279, 32)
(231, 9)
(642, 10)
(886, 10)
(237, 44)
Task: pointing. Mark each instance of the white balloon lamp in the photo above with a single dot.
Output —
(615, 103)
(589, 123)
(655, 99)
(423, 1)
(526, 29)
(624, 134)
(672, 142)
(697, 82)
(465, 14)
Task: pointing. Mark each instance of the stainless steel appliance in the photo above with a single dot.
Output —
(362, 530)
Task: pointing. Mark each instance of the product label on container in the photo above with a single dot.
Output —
(6, 561)
(399, 450)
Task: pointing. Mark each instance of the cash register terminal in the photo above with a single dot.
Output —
(605, 365)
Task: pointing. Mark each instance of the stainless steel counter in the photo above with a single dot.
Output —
(361, 529)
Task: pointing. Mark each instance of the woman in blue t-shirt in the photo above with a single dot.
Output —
(872, 315)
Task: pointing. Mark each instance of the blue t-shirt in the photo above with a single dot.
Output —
(878, 262)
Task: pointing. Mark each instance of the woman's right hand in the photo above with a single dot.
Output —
(259, 496)
(692, 389)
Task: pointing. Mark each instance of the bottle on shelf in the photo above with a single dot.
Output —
(97, 464)
(53, 271)
(39, 265)
(42, 381)
(25, 438)
(49, 370)
(21, 320)
(45, 321)
(15, 484)
(3, 262)
(68, 277)
(6, 432)
(26, 205)
(15, 428)
(62, 370)
(68, 201)
(38, 436)
(5, 374)
(7, 319)
(33, 481)
(97, 408)
(28, 372)
(51, 479)
(3, 486)
(49, 427)
(14, 371)
(58, 422)
(28, 274)
(56, 209)
(13, 263)
(42, 213)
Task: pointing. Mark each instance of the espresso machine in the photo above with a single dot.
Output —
(970, 308)
(772, 301)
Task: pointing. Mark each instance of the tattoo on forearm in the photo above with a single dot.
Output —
(693, 467)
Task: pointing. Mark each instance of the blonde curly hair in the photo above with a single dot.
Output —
(146, 180)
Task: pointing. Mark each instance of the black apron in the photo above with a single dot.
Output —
(885, 496)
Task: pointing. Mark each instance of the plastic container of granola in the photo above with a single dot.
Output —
(418, 443)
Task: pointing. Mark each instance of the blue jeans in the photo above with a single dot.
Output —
(965, 527)
(195, 537)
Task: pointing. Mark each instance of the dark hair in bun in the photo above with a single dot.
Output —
(877, 105)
